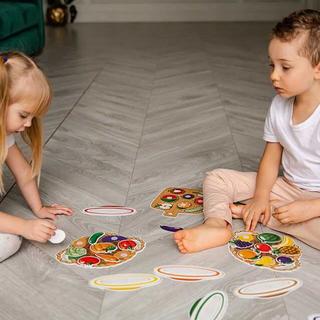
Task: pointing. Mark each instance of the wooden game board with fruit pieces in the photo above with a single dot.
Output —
(173, 201)
(266, 250)
(101, 250)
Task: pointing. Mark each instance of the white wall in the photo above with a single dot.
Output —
(187, 10)
(314, 4)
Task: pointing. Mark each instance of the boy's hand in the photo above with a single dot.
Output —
(253, 211)
(297, 211)
(40, 230)
(50, 212)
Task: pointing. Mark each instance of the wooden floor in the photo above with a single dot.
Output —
(139, 107)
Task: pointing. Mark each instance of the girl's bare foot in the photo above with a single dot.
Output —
(205, 236)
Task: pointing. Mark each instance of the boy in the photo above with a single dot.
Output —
(289, 204)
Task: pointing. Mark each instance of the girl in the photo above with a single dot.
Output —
(25, 96)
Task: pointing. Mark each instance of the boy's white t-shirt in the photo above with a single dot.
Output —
(10, 140)
(300, 142)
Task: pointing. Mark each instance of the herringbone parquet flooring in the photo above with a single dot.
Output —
(139, 107)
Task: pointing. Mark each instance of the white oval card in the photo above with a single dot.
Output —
(188, 273)
(125, 281)
(110, 211)
(269, 288)
(212, 306)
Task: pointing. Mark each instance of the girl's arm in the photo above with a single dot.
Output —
(22, 172)
(11, 224)
(39, 230)
(266, 177)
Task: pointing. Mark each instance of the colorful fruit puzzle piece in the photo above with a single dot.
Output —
(266, 250)
(101, 250)
(173, 201)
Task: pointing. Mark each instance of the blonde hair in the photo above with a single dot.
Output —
(13, 67)
(292, 26)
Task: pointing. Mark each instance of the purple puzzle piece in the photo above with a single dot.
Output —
(170, 229)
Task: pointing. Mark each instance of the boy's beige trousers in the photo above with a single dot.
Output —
(222, 187)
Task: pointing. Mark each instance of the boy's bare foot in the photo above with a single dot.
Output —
(211, 234)
(236, 210)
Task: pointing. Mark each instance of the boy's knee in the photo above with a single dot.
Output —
(216, 174)
(9, 245)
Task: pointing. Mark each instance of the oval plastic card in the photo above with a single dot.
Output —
(269, 288)
(125, 281)
(188, 273)
(213, 306)
(110, 211)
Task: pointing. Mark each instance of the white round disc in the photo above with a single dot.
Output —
(58, 237)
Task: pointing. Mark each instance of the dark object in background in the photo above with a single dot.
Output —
(58, 13)
(73, 13)
(22, 26)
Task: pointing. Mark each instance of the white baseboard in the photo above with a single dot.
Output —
(158, 12)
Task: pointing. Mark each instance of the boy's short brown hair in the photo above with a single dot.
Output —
(297, 22)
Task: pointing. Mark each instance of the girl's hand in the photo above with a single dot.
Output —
(254, 210)
(296, 212)
(50, 212)
(40, 230)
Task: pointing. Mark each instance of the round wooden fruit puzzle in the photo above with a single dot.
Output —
(266, 250)
(173, 201)
(101, 250)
